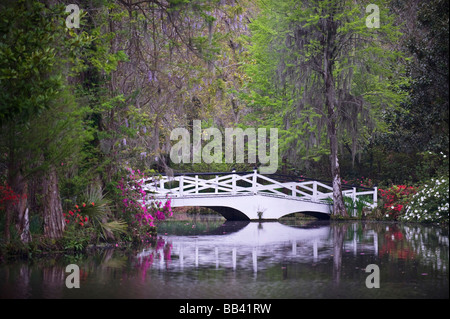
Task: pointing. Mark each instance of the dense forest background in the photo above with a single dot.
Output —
(79, 105)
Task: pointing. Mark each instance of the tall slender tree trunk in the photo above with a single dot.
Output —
(7, 233)
(338, 199)
(52, 208)
(17, 211)
(23, 218)
(331, 104)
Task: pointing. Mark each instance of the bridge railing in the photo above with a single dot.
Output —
(248, 183)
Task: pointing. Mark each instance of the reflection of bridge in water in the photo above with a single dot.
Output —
(255, 246)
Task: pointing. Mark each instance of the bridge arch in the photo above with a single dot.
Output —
(233, 214)
(318, 215)
(230, 213)
(253, 206)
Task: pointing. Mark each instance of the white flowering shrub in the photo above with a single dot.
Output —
(430, 203)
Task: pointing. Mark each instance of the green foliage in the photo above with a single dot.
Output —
(26, 60)
(94, 100)
(97, 207)
(90, 221)
(33, 48)
(354, 207)
(76, 239)
(286, 66)
(57, 135)
(420, 124)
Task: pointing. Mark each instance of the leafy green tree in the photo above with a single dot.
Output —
(323, 75)
(182, 65)
(421, 124)
(38, 118)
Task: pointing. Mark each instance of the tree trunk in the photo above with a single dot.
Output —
(17, 210)
(330, 102)
(338, 199)
(23, 220)
(53, 213)
(7, 233)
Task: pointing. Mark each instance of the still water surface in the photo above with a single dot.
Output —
(216, 259)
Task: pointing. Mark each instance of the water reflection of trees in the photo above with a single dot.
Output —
(424, 245)
(430, 244)
(405, 247)
(339, 232)
(427, 244)
(395, 245)
(20, 278)
(160, 250)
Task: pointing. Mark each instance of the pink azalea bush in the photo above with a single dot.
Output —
(140, 210)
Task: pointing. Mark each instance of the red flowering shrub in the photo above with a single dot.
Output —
(363, 182)
(395, 200)
(7, 195)
(80, 229)
(74, 217)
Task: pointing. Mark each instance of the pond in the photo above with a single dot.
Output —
(238, 260)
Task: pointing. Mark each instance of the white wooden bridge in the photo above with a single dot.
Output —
(250, 195)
